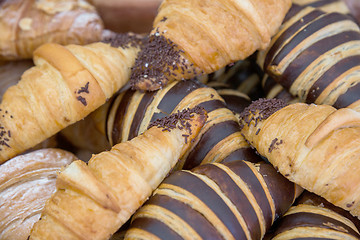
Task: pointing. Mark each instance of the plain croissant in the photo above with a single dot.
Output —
(202, 36)
(315, 146)
(66, 84)
(94, 200)
(27, 24)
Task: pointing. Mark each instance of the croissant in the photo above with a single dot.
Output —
(312, 217)
(26, 182)
(316, 56)
(272, 89)
(66, 84)
(92, 201)
(219, 140)
(237, 200)
(315, 146)
(27, 24)
(201, 36)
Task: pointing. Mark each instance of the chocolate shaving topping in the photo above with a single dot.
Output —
(124, 40)
(178, 120)
(156, 62)
(262, 109)
(274, 143)
(5, 135)
(163, 19)
(84, 89)
(82, 100)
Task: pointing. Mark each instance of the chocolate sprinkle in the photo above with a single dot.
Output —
(163, 19)
(156, 62)
(124, 40)
(178, 120)
(82, 100)
(274, 143)
(262, 107)
(5, 135)
(84, 89)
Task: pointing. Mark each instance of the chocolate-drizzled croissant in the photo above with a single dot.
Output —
(316, 57)
(237, 200)
(315, 146)
(93, 200)
(27, 24)
(201, 36)
(312, 217)
(132, 111)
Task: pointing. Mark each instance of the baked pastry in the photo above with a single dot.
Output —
(26, 183)
(27, 24)
(199, 37)
(93, 200)
(237, 200)
(315, 146)
(66, 84)
(132, 111)
(316, 56)
(10, 73)
(312, 217)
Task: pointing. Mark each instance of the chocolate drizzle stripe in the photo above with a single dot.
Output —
(247, 154)
(209, 197)
(277, 185)
(306, 32)
(349, 97)
(247, 175)
(236, 103)
(175, 95)
(212, 105)
(235, 194)
(140, 113)
(269, 83)
(111, 104)
(288, 33)
(295, 9)
(322, 3)
(116, 133)
(315, 51)
(330, 75)
(155, 227)
(195, 219)
(306, 219)
(208, 140)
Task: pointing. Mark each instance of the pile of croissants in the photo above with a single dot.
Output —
(179, 119)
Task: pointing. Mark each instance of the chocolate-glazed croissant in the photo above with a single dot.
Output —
(237, 200)
(201, 36)
(315, 146)
(312, 217)
(274, 90)
(132, 111)
(316, 56)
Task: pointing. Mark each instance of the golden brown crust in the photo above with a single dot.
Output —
(207, 35)
(94, 200)
(66, 84)
(26, 183)
(316, 146)
(27, 24)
